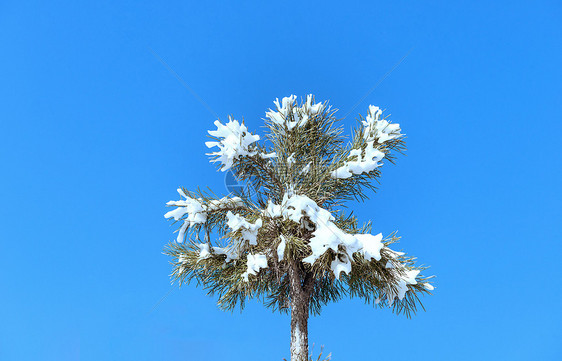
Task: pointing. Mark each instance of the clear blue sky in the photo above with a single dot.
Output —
(96, 135)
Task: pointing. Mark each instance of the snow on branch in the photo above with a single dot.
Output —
(248, 230)
(234, 141)
(195, 211)
(326, 235)
(369, 150)
(232, 251)
(404, 274)
(291, 115)
(362, 164)
(254, 264)
(408, 278)
(377, 129)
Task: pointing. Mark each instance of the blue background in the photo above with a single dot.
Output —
(96, 134)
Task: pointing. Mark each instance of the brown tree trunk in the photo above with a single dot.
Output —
(300, 298)
(299, 334)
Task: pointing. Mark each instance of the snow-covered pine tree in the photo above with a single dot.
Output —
(290, 244)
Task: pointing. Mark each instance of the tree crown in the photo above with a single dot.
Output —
(293, 214)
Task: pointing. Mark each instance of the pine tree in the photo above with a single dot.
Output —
(287, 239)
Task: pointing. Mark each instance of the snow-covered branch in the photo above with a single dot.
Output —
(233, 141)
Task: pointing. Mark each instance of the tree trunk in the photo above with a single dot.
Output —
(300, 298)
(299, 333)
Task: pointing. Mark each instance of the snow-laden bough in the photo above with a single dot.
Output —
(234, 141)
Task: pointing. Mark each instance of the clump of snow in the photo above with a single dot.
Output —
(217, 204)
(294, 207)
(235, 142)
(191, 206)
(404, 275)
(196, 210)
(268, 155)
(311, 108)
(280, 115)
(231, 252)
(330, 236)
(371, 246)
(204, 251)
(281, 248)
(409, 278)
(291, 160)
(291, 115)
(377, 129)
(327, 235)
(248, 230)
(363, 163)
(341, 264)
(273, 210)
(254, 264)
